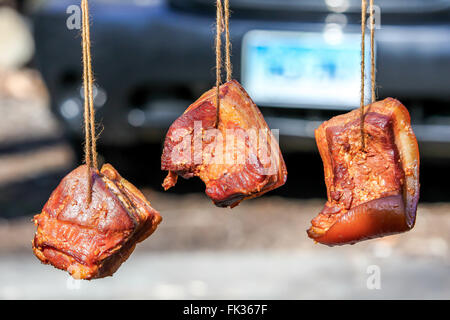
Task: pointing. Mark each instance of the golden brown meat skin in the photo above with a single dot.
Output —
(227, 183)
(372, 193)
(92, 240)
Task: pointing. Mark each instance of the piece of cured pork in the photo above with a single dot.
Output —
(371, 193)
(237, 159)
(92, 239)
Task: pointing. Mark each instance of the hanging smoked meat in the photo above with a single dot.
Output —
(92, 240)
(371, 193)
(193, 133)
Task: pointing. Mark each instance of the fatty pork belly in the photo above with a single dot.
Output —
(237, 158)
(372, 192)
(92, 239)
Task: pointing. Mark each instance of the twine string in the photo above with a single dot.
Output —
(87, 138)
(372, 50)
(91, 92)
(372, 58)
(219, 27)
(228, 64)
(89, 112)
(222, 25)
(363, 66)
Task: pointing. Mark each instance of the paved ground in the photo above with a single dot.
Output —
(258, 250)
(236, 275)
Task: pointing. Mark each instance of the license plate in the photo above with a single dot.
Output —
(304, 69)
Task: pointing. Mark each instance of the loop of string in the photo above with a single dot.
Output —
(363, 64)
(89, 113)
(222, 22)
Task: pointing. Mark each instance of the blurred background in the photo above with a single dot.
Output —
(299, 60)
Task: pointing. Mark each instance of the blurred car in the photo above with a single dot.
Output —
(299, 60)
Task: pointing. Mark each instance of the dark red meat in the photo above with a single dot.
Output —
(371, 193)
(92, 240)
(232, 163)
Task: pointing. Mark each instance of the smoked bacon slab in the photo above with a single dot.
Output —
(372, 192)
(91, 240)
(237, 157)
